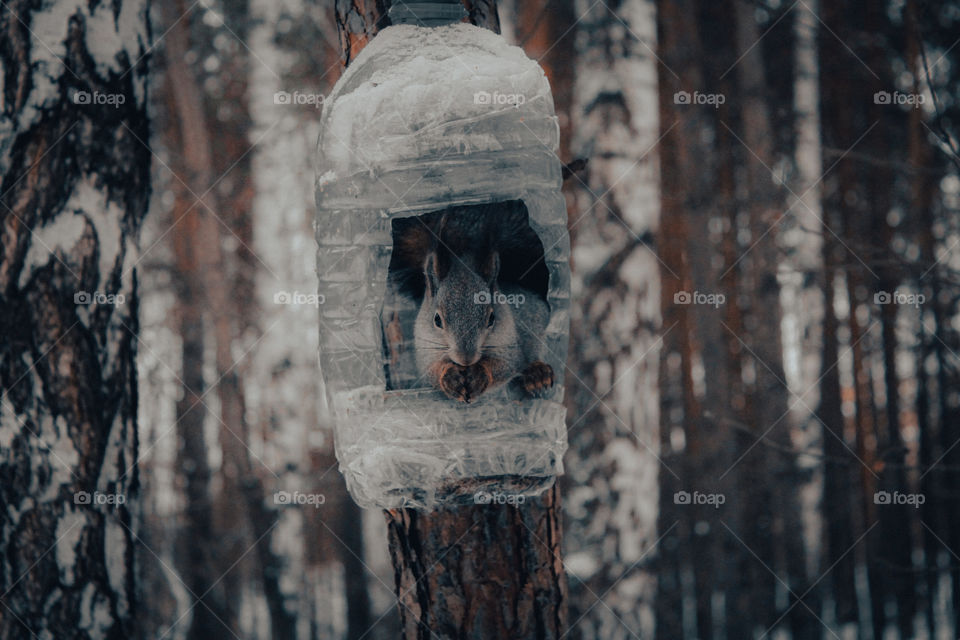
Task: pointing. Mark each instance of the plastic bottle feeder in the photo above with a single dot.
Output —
(428, 118)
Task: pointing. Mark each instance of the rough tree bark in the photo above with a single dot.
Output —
(74, 189)
(479, 572)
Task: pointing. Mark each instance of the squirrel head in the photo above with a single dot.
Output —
(459, 317)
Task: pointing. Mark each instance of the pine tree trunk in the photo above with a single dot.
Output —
(895, 520)
(681, 187)
(923, 193)
(74, 189)
(478, 572)
(199, 553)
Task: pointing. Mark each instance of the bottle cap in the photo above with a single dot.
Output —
(427, 14)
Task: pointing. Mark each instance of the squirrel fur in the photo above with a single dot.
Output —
(476, 329)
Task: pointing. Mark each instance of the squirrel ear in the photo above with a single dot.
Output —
(431, 273)
(491, 268)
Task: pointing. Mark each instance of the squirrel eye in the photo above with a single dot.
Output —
(437, 321)
(491, 319)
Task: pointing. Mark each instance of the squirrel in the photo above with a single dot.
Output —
(474, 330)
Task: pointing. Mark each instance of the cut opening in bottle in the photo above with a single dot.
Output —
(490, 270)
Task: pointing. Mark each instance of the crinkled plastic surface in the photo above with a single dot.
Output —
(425, 118)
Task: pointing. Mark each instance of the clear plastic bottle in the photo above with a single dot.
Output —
(425, 118)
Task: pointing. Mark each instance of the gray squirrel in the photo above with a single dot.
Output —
(473, 332)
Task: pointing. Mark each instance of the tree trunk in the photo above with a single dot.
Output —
(284, 374)
(230, 292)
(75, 186)
(611, 513)
(923, 189)
(199, 553)
(357, 22)
(483, 13)
(684, 187)
(839, 495)
(485, 571)
(896, 521)
(773, 532)
(211, 291)
(482, 572)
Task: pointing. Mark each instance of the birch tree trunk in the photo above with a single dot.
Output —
(613, 466)
(329, 557)
(74, 189)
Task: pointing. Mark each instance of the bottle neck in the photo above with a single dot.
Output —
(427, 14)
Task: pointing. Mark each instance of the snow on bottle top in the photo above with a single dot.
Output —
(417, 92)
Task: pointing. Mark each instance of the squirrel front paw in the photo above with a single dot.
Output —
(464, 384)
(536, 377)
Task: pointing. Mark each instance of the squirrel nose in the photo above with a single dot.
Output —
(464, 360)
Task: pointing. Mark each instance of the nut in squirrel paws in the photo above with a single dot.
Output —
(464, 384)
(537, 377)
